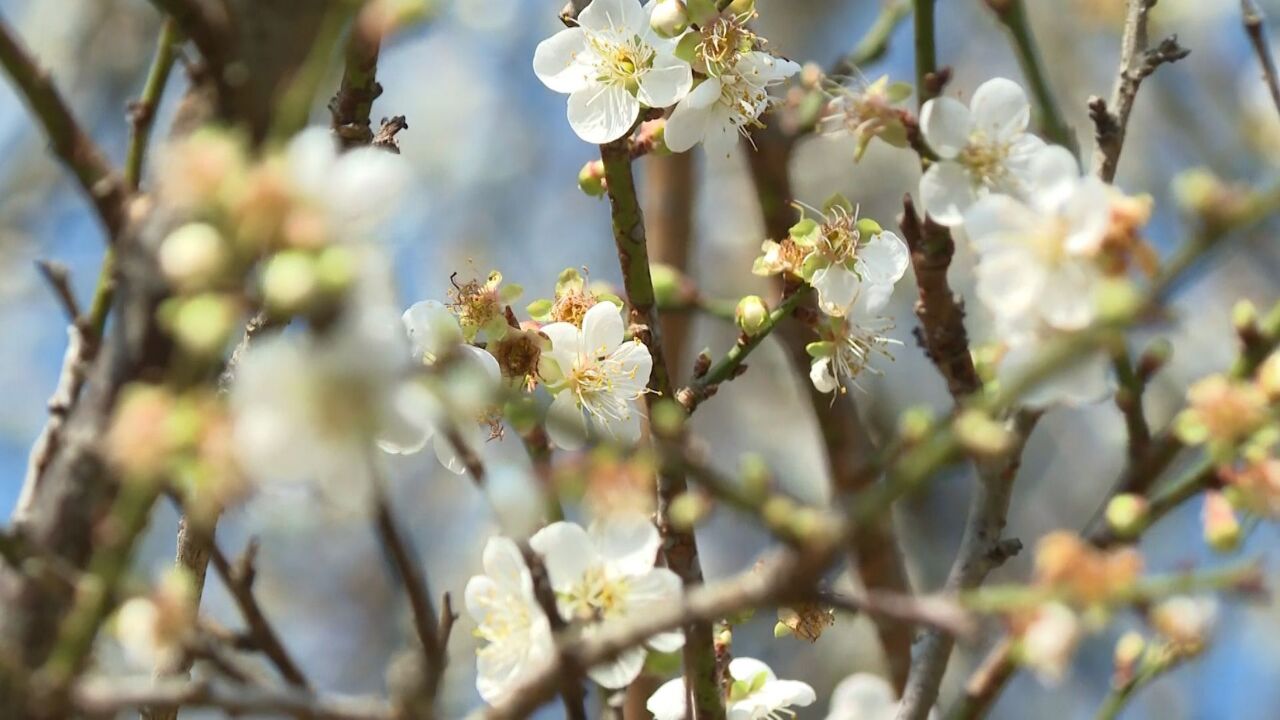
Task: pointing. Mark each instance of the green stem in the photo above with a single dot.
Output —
(1013, 15)
(144, 111)
(295, 104)
(926, 50)
(679, 546)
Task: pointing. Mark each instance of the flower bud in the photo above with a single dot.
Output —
(1126, 514)
(669, 18)
(591, 178)
(1221, 526)
(1269, 377)
(1129, 649)
(981, 434)
(202, 325)
(752, 315)
(1196, 190)
(668, 284)
(688, 510)
(667, 418)
(193, 256)
(290, 282)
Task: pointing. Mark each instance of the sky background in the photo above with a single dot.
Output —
(496, 166)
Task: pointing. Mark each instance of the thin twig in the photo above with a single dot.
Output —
(875, 42)
(1137, 62)
(108, 696)
(571, 692)
(73, 146)
(239, 583)
(1013, 15)
(59, 279)
(1255, 28)
(142, 113)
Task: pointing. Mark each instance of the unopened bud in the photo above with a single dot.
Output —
(667, 418)
(755, 477)
(1129, 650)
(668, 284)
(193, 256)
(290, 282)
(778, 511)
(669, 18)
(591, 178)
(752, 315)
(1196, 190)
(1126, 514)
(1269, 377)
(688, 510)
(202, 324)
(981, 434)
(1118, 300)
(1154, 358)
(916, 423)
(1221, 526)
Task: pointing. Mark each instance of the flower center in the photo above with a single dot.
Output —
(622, 62)
(598, 596)
(839, 241)
(506, 623)
(985, 159)
(592, 381)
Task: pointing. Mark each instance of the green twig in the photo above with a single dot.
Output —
(1013, 15)
(926, 51)
(142, 114)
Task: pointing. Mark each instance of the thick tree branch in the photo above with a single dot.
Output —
(108, 697)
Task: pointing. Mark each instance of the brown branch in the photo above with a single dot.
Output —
(193, 548)
(78, 152)
(351, 106)
(1255, 28)
(59, 280)
(942, 333)
(1137, 62)
(386, 137)
(239, 583)
(107, 697)
(570, 688)
(405, 563)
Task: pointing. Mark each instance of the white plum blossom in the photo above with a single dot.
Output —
(515, 630)
(728, 103)
(611, 65)
(309, 407)
(337, 183)
(981, 148)
(863, 696)
(596, 373)
(754, 694)
(846, 258)
(1038, 270)
(1049, 642)
(607, 573)
(460, 400)
(846, 348)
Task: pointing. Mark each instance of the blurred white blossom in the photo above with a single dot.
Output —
(863, 696)
(754, 693)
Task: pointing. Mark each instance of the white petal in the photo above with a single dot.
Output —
(567, 552)
(358, 212)
(993, 219)
(822, 376)
(432, 329)
(558, 61)
(410, 422)
(636, 365)
(761, 68)
(863, 696)
(614, 14)
(872, 299)
(884, 259)
(1067, 298)
(946, 192)
(721, 135)
(705, 95)
(664, 84)
(448, 455)
(668, 702)
(1088, 216)
(624, 431)
(628, 543)
(480, 592)
(504, 564)
(745, 668)
(566, 425)
(497, 674)
(946, 126)
(686, 127)
(622, 671)
(1017, 180)
(602, 329)
(837, 286)
(786, 694)
(1053, 175)
(667, 642)
(602, 114)
(310, 158)
(1010, 282)
(1000, 109)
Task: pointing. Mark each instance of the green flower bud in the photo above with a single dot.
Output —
(203, 324)
(669, 18)
(981, 434)
(591, 178)
(667, 418)
(335, 270)
(290, 282)
(1126, 514)
(688, 510)
(193, 256)
(668, 284)
(752, 315)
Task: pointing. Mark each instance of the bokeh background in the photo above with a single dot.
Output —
(496, 165)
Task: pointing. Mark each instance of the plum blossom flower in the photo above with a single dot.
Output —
(866, 111)
(847, 258)
(335, 184)
(610, 65)
(1038, 269)
(728, 103)
(595, 373)
(755, 694)
(461, 400)
(981, 148)
(846, 348)
(516, 632)
(863, 696)
(310, 407)
(607, 573)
